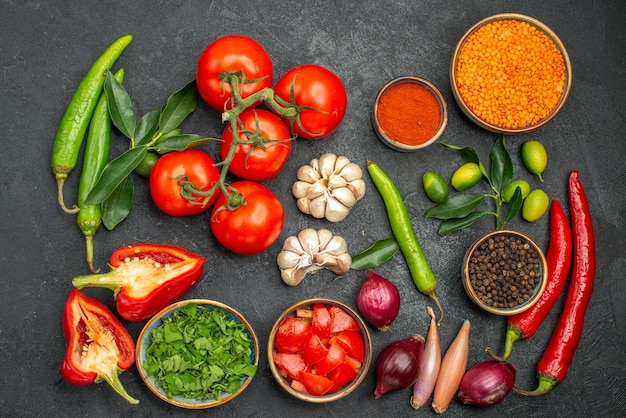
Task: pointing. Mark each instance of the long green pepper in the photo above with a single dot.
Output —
(95, 158)
(73, 126)
(402, 229)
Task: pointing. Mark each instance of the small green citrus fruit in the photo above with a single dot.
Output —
(535, 157)
(535, 205)
(435, 187)
(508, 191)
(466, 176)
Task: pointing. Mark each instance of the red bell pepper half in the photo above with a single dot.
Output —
(98, 346)
(145, 278)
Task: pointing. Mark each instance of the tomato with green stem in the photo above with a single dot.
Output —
(175, 178)
(319, 97)
(247, 218)
(232, 53)
(264, 144)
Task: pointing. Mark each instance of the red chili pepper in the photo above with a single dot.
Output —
(98, 346)
(559, 256)
(552, 367)
(146, 277)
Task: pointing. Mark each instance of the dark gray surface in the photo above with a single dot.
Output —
(45, 49)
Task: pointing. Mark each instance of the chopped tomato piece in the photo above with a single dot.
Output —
(321, 320)
(334, 357)
(314, 349)
(341, 321)
(315, 384)
(352, 362)
(290, 363)
(341, 376)
(297, 385)
(352, 343)
(291, 335)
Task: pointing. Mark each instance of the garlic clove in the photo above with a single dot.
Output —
(357, 187)
(300, 189)
(351, 172)
(288, 259)
(342, 264)
(309, 241)
(327, 165)
(304, 204)
(336, 246)
(292, 244)
(335, 210)
(317, 207)
(308, 173)
(292, 277)
(344, 196)
(340, 164)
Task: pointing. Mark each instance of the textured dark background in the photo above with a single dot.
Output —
(45, 49)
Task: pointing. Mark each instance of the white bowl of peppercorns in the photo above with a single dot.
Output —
(504, 272)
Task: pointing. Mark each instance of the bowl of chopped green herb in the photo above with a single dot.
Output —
(197, 354)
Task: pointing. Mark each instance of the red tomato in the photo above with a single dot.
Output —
(252, 228)
(314, 349)
(291, 364)
(266, 149)
(291, 335)
(334, 357)
(341, 321)
(321, 320)
(318, 90)
(232, 53)
(342, 375)
(352, 343)
(174, 167)
(315, 384)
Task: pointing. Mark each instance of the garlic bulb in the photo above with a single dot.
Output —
(328, 187)
(310, 251)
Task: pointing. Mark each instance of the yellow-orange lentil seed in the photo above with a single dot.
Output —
(510, 74)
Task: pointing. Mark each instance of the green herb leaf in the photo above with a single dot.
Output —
(501, 165)
(180, 104)
(117, 206)
(114, 174)
(451, 225)
(514, 205)
(180, 142)
(146, 127)
(469, 155)
(457, 206)
(375, 255)
(120, 106)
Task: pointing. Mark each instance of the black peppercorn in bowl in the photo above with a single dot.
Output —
(504, 272)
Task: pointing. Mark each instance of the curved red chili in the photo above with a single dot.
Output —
(553, 366)
(559, 256)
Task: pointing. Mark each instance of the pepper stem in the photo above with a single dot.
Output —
(60, 182)
(436, 299)
(513, 334)
(546, 383)
(113, 380)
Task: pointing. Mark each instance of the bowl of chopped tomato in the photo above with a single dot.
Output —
(319, 350)
(197, 354)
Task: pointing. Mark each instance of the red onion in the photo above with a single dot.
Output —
(378, 301)
(429, 365)
(397, 366)
(487, 383)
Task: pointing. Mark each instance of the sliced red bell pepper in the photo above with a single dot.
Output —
(145, 278)
(98, 347)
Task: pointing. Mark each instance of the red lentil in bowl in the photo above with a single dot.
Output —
(504, 272)
(510, 73)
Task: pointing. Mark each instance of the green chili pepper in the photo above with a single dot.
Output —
(96, 156)
(404, 234)
(375, 255)
(73, 126)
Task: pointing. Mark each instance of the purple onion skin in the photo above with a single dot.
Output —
(378, 301)
(397, 365)
(487, 383)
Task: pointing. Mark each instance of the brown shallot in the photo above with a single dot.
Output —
(452, 369)
(429, 365)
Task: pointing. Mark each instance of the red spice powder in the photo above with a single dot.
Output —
(409, 113)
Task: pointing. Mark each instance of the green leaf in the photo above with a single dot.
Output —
(146, 127)
(514, 205)
(114, 174)
(451, 225)
(501, 165)
(120, 106)
(180, 142)
(469, 155)
(180, 104)
(117, 206)
(457, 206)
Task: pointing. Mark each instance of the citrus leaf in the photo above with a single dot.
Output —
(114, 173)
(117, 206)
(501, 165)
(457, 206)
(180, 104)
(146, 127)
(514, 205)
(451, 225)
(180, 142)
(469, 155)
(375, 255)
(120, 106)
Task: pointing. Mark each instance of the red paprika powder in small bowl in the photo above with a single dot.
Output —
(409, 113)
